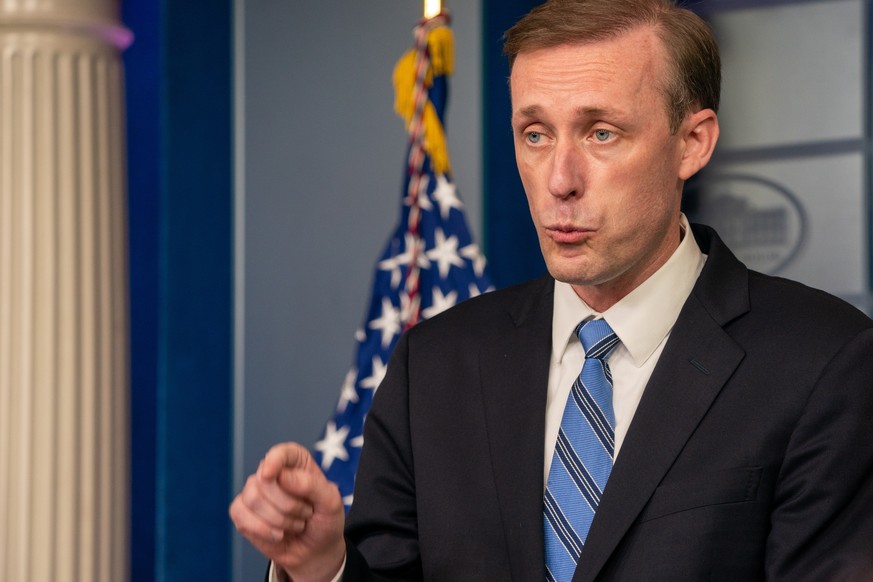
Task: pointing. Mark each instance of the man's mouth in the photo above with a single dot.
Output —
(568, 234)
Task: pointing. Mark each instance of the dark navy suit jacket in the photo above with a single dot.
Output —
(750, 456)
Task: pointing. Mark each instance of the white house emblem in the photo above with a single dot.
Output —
(761, 221)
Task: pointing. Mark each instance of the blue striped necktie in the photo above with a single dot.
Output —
(583, 454)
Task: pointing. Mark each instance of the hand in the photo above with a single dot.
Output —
(292, 514)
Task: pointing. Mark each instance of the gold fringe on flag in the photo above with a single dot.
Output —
(442, 61)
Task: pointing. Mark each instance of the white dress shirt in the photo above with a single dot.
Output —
(642, 320)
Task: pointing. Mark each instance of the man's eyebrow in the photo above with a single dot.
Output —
(529, 111)
(580, 112)
(593, 112)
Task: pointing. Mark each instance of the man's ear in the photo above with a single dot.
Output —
(699, 133)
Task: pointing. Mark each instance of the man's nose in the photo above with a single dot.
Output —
(566, 177)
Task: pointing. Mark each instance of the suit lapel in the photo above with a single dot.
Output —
(514, 378)
(697, 361)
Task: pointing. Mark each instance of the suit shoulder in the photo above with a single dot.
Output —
(793, 304)
(491, 310)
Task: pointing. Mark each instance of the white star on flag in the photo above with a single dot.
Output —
(423, 199)
(412, 241)
(445, 253)
(388, 323)
(348, 394)
(471, 252)
(392, 264)
(357, 442)
(331, 446)
(446, 195)
(375, 378)
(402, 259)
(409, 305)
(440, 302)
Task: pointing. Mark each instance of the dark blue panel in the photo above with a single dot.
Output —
(510, 242)
(143, 90)
(179, 101)
(195, 352)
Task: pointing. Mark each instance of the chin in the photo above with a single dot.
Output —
(568, 274)
(577, 270)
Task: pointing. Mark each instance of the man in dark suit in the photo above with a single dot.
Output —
(738, 412)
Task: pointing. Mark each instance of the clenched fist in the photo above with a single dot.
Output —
(292, 514)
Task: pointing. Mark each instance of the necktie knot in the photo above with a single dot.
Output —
(597, 338)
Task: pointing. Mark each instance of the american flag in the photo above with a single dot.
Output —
(430, 263)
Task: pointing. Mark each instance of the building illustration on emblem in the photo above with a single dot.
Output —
(743, 225)
(759, 220)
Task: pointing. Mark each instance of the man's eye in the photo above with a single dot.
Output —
(602, 134)
(534, 137)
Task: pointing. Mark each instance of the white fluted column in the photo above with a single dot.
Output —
(64, 476)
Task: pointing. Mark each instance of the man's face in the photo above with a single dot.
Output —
(602, 172)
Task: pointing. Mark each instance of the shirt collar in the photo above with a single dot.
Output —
(644, 317)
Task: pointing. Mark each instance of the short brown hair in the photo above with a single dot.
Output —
(694, 77)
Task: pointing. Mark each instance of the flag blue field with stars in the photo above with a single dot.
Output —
(430, 262)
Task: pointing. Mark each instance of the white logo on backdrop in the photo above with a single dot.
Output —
(761, 221)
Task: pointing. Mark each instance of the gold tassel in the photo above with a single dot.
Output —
(441, 48)
(435, 141)
(404, 86)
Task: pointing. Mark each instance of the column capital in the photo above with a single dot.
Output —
(96, 18)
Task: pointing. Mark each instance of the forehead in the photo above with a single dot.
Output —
(627, 67)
